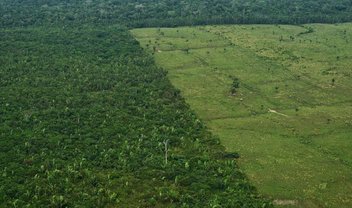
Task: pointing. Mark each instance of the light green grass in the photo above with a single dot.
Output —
(304, 156)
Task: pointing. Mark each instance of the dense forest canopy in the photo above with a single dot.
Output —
(85, 114)
(144, 13)
(84, 111)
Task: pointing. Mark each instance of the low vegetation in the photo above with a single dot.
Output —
(290, 118)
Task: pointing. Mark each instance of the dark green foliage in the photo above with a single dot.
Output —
(309, 30)
(231, 155)
(84, 111)
(83, 116)
(235, 85)
(142, 13)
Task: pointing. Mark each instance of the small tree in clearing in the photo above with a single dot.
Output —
(333, 82)
(235, 85)
(186, 50)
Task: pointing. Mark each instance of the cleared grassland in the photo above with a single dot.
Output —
(291, 120)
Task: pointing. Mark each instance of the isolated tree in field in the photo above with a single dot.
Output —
(235, 85)
(277, 89)
(333, 82)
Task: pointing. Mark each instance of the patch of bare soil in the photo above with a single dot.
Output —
(274, 111)
(280, 202)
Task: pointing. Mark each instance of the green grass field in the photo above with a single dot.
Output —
(291, 120)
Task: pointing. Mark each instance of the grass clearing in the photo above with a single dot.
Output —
(302, 159)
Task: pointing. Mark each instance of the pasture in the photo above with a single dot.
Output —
(290, 119)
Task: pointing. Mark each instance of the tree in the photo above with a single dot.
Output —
(333, 82)
(235, 85)
(166, 146)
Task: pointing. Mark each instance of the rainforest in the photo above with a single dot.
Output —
(166, 103)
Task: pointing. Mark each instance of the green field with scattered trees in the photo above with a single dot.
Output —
(278, 95)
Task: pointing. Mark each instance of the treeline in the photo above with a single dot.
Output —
(142, 13)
